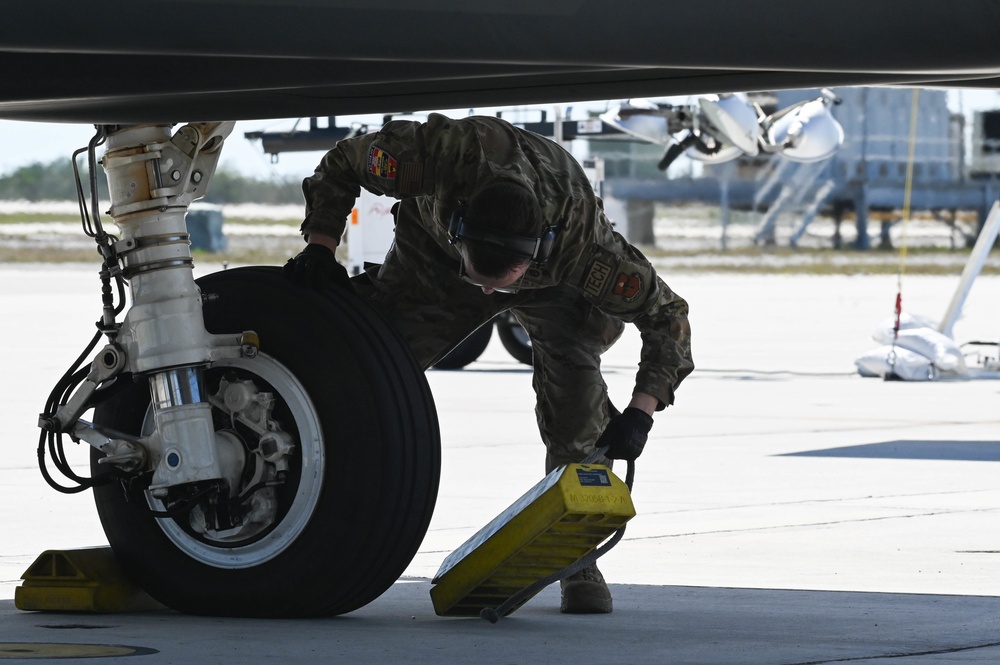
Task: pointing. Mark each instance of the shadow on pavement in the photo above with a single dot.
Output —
(651, 624)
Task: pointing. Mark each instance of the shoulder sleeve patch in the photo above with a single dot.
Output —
(618, 285)
(596, 277)
(411, 179)
(628, 286)
(381, 164)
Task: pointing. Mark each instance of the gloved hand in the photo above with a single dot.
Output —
(626, 434)
(316, 267)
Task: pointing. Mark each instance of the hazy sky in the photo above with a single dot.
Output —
(24, 143)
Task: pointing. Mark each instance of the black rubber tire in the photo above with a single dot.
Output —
(514, 338)
(468, 350)
(382, 460)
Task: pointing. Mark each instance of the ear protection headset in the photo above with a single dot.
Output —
(537, 250)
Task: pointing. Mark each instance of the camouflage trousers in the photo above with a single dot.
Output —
(419, 291)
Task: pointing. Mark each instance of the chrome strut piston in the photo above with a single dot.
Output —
(153, 177)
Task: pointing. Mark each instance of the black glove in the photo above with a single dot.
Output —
(626, 434)
(316, 267)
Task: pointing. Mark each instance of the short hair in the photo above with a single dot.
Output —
(504, 206)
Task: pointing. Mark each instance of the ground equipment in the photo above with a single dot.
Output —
(549, 533)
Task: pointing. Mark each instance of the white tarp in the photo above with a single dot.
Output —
(917, 353)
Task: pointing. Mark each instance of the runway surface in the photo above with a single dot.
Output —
(789, 511)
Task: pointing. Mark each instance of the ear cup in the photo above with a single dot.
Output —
(545, 247)
(455, 223)
(537, 250)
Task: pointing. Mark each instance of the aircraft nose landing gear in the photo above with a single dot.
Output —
(287, 471)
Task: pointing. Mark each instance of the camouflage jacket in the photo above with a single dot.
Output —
(443, 162)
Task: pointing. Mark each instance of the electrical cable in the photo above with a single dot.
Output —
(57, 395)
(185, 506)
(51, 438)
(80, 198)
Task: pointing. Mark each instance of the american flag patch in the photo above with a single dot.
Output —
(411, 179)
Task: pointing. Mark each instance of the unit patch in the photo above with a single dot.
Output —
(596, 278)
(628, 287)
(381, 163)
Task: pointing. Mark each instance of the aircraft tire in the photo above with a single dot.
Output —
(361, 483)
(514, 338)
(468, 350)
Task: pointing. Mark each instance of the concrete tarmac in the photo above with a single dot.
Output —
(789, 511)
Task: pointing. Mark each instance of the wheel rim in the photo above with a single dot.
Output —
(263, 544)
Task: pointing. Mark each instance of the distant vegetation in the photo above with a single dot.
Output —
(55, 182)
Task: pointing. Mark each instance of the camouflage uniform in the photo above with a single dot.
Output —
(573, 306)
